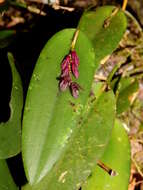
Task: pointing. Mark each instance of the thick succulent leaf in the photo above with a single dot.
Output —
(6, 181)
(6, 37)
(50, 116)
(105, 39)
(126, 88)
(84, 149)
(10, 132)
(117, 156)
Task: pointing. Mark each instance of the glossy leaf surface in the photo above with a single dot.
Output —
(126, 88)
(50, 116)
(6, 181)
(84, 149)
(10, 132)
(105, 39)
(117, 157)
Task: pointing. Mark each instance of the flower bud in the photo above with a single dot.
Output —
(75, 58)
(74, 64)
(74, 87)
(65, 66)
(64, 83)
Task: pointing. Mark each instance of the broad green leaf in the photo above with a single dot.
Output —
(117, 156)
(6, 37)
(84, 149)
(126, 88)
(6, 181)
(10, 131)
(105, 40)
(51, 116)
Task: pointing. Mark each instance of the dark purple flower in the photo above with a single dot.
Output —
(74, 87)
(74, 64)
(69, 63)
(65, 66)
(64, 83)
(74, 69)
(75, 58)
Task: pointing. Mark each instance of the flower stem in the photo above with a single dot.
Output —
(107, 169)
(74, 39)
(124, 5)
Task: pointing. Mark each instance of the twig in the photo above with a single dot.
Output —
(133, 97)
(136, 71)
(36, 10)
(98, 77)
(137, 166)
(57, 7)
(138, 182)
(134, 115)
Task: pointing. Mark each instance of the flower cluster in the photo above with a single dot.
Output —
(70, 65)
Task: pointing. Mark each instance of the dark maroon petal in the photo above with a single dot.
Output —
(65, 72)
(74, 87)
(74, 57)
(74, 63)
(64, 83)
(65, 62)
(74, 70)
(65, 66)
(75, 93)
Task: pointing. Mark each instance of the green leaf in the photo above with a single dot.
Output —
(51, 116)
(126, 88)
(105, 40)
(117, 156)
(6, 181)
(84, 149)
(6, 37)
(10, 132)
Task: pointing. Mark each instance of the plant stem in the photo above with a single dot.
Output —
(107, 169)
(124, 5)
(114, 70)
(74, 39)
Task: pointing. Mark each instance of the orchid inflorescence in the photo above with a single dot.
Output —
(70, 65)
